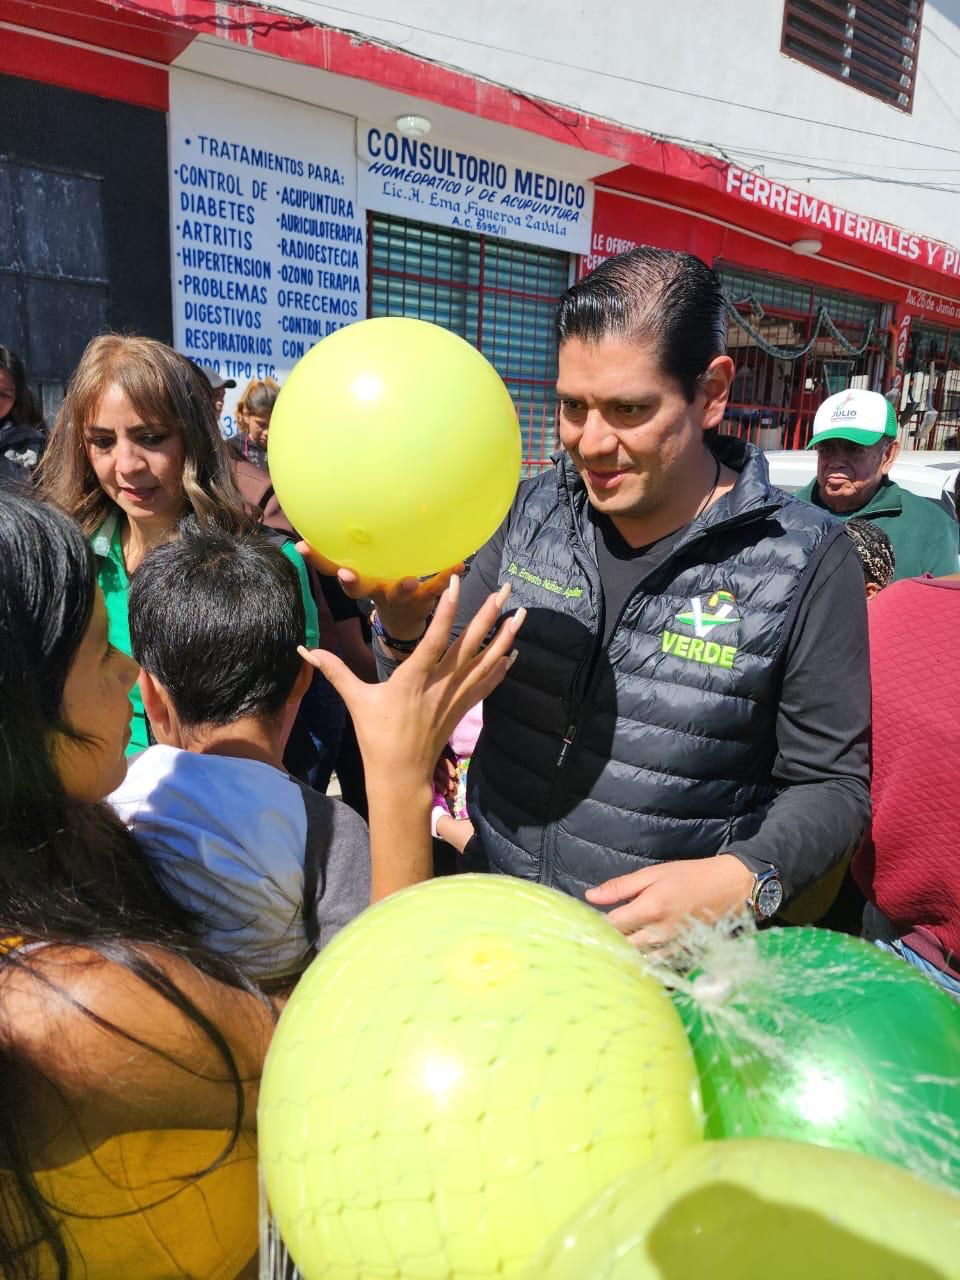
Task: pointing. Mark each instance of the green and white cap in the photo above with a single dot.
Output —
(865, 417)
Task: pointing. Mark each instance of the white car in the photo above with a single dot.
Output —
(929, 473)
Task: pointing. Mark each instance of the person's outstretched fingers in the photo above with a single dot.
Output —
(471, 640)
(436, 638)
(334, 669)
(479, 674)
(486, 678)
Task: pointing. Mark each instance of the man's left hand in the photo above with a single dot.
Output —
(658, 899)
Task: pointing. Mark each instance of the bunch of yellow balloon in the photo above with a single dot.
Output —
(394, 448)
(480, 1078)
(464, 1067)
(760, 1209)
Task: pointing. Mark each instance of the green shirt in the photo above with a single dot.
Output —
(115, 584)
(925, 539)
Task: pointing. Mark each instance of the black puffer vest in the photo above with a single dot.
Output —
(595, 763)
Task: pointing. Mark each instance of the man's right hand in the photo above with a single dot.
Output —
(403, 607)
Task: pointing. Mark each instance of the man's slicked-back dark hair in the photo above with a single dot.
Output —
(672, 301)
(216, 619)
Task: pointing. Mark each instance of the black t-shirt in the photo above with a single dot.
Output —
(622, 566)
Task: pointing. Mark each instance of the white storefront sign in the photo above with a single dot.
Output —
(268, 241)
(441, 183)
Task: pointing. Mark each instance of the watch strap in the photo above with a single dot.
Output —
(399, 646)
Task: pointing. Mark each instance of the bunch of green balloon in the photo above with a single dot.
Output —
(394, 448)
(850, 1054)
(821, 1038)
(466, 1065)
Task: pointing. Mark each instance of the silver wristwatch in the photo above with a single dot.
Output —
(767, 896)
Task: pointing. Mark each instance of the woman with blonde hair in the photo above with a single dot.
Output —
(136, 447)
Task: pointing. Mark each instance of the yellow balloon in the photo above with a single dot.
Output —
(761, 1209)
(466, 1065)
(394, 448)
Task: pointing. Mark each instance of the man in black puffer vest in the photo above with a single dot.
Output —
(686, 727)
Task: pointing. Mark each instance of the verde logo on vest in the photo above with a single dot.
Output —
(709, 623)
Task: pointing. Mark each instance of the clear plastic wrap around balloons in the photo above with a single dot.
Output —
(394, 448)
(761, 1209)
(467, 1064)
(822, 1038)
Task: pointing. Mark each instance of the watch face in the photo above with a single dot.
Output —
(769, 898)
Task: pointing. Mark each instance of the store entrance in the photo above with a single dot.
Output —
(794, 345)
(929, 406)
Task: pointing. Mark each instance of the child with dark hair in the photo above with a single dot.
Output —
(875, 551)
(273, 868)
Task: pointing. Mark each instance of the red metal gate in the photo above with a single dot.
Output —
(794, 344)
(929, 403)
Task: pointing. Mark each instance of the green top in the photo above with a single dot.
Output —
(925, 539)
(114, 584)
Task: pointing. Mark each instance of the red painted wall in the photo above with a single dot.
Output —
(619, 222)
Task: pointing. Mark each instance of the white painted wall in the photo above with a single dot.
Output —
(708, 72)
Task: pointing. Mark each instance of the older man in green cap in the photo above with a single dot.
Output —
(855, 436)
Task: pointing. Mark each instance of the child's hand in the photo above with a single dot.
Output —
(403, 725)
(455, 831)
(446, 777)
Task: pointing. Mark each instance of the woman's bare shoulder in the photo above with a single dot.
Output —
(127, 1044)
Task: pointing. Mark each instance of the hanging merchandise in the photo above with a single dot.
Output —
(821, 321)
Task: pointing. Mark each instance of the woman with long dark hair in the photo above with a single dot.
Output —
(129, 1055)
(136, 447)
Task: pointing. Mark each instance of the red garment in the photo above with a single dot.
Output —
(909, 866)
